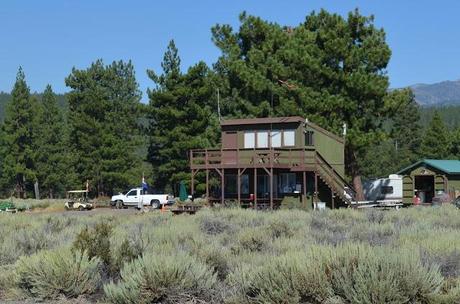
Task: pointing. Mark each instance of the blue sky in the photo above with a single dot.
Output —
(49, 37)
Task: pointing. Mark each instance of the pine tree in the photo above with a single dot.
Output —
(406, 131)
(52, 160)
(181, 118)
(329, 68)
(18, 167)
(455, 145)
(103, 122)
(436, 143)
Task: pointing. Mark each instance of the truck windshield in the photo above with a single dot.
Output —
(131, 193)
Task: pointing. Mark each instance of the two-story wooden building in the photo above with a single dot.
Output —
(263, 160)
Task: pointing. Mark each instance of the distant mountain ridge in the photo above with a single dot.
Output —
(437, 94)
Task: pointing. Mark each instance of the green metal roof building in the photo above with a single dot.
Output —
(428, 176)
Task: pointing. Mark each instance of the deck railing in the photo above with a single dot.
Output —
(241, 158)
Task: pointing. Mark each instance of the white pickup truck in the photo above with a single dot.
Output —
(135, 197)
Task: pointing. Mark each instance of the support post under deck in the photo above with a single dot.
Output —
(316, 190)
(239, 186)
(207, 185)
(271, 188)
(255, 188)
(222, 187)
(192, 188)
(332, 199)
(304, 200)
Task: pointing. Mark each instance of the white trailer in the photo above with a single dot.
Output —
(382, 192)
(383, 189)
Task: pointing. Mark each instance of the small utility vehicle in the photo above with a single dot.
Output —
(78, 200)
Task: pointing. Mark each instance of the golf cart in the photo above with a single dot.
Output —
(78, 200)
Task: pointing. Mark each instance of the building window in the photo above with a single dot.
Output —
(386, 190)
(263, 186)
(245, 184)
(249, 140)
(262, 139)
(309, 138)
(275, 138)
(230, 184)
(287, 183)
(289, 138)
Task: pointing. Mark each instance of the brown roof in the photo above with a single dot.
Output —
(265, 120)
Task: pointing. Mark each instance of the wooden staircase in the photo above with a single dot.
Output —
(334, 180)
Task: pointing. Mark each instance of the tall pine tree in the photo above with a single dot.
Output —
(54, 172)
(436, 143)
(103, 118)
(330, 69)
(18, 166)
(181, 118)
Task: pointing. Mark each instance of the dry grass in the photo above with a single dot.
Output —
(287, 256)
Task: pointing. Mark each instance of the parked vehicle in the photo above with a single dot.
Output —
(78, 200)
(137, 197)
(6, 206)
(441, 198)
(384, 189)
(456, 202)
(382, 193)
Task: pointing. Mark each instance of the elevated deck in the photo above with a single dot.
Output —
(293, 159)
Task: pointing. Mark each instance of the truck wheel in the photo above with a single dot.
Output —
(155, 204)
(119, 204)
(81, 208)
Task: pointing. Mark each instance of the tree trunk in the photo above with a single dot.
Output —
(353, 169)
(20, 191)
(358, 185)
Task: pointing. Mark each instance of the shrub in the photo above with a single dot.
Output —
(349, 274)
(279, 229)
(448, 262)
(290, 202)
(6, 279)
(360, 274)
(374, 234)
(163, 279)
(95, 242)
(126, 252)
(251, 239)
(214, 225)
(216, 258)
(375, 216)
(51, 274)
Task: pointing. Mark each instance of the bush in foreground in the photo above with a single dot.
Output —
(56, 273)
(349, 274)
(163, 279)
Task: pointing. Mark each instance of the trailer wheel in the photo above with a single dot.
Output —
(155, 204)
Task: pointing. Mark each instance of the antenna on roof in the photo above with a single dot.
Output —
(218, 105)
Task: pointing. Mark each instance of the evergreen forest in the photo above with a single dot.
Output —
(329, 68)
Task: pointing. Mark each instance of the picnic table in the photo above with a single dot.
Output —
(190, 209)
